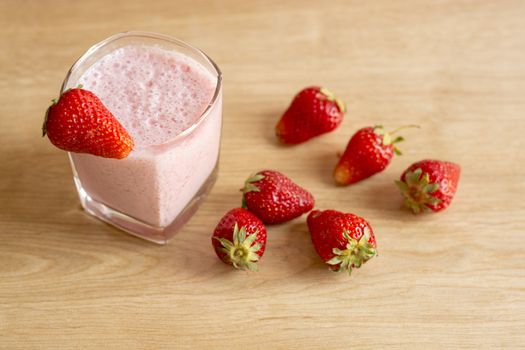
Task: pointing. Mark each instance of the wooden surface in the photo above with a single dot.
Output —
(450, 280)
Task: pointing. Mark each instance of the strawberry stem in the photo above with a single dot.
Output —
(250, 187)
(331, 97)
(387, 136)
(355, 254)
(404, 127)
(248, 184)
(242, 252)
(418, 191)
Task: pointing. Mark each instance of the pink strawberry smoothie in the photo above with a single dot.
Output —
(159, 96)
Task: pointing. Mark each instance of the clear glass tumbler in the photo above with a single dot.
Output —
(155, 190)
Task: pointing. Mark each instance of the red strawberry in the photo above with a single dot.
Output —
(429, 185)
(343, 241)
(274, 198)
(368, 152)
(79, 122)
(313, 111)
(240, 239)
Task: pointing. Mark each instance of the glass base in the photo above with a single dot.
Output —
(159, 235)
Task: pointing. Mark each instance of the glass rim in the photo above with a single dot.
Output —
(187, 131)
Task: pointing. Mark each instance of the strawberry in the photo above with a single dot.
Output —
(274, 198)
(313, 111)
(240, 239)
(343, 241)
(368, 152)
(79, 122)
(429, 185)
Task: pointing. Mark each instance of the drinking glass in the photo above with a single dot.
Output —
(154, 191)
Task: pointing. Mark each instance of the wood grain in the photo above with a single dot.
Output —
(445, 281)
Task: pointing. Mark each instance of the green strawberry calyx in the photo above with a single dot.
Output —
(331, 97)
(242, 252)
(46, 117)
(355, 254)
(418, 191)
(387, 136)
(250, 187)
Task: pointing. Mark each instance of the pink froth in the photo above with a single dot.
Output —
(155, 93)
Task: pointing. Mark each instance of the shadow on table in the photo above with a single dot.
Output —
(38, 196)
(299, 251)
(271, 117)
(382, 196)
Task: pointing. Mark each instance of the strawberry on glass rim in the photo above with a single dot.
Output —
(79, 122)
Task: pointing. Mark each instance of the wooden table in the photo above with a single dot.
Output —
(449, 280)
